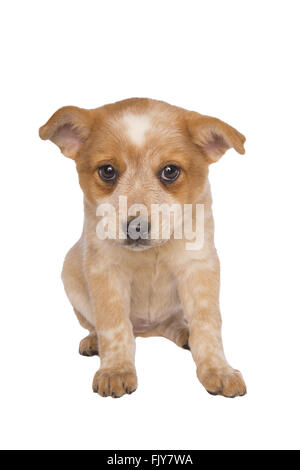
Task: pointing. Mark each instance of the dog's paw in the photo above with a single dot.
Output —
(114, 383)
(89, 346)
(179, 334)
(183, 338)
(228, 382)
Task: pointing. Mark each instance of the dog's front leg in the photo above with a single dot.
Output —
(110, 296)
(199, 292)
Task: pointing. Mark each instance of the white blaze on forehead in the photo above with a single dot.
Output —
(136, 126)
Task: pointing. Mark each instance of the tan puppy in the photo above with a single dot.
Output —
(123, 286)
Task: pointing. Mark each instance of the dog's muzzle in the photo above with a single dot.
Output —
(137, 231)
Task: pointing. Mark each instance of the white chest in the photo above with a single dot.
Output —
(154, 296)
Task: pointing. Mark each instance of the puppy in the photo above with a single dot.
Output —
(135, 280)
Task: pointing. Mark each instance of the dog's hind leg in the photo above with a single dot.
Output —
(76, 290)
(174, 328)
(89, 345)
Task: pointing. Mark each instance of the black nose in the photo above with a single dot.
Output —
(137, 228)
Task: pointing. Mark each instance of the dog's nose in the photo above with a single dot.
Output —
(137, 228)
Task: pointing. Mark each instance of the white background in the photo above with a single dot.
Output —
(237, 60)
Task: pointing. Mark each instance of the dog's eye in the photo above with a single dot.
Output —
(108, 173)
(169, 173)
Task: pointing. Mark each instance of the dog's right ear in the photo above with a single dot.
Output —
(68, 128)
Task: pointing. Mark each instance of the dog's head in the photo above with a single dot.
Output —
(146, 151)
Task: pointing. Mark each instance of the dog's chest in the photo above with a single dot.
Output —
(154, 296)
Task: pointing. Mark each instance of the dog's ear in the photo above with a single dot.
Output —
(214, 136)
(68, 128)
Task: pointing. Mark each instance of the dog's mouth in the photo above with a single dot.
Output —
(142, 245)
(137, 245)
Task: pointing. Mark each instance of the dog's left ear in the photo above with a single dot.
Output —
(214, 136)
(68, 128)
